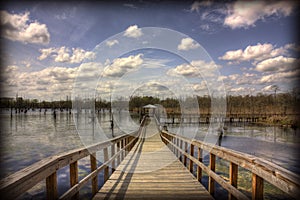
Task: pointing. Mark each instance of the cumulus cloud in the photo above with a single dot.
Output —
(18, 27)
(111, 43)
(197, 68)
(120, 66)
(256, 52)
(64, 54)
(52, 82)
(246, 14)
(133, 32)
(187, 44)
(278, 64)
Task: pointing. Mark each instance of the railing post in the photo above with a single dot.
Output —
(119, 156)
(177, 145)
(173, 142)
(257, 187)
(113, 163)
(199, 169)
(212, 166)
(74, 177)
(122, 150)
(180, 157)
(233, 177)
(191, 162)
(184, 157)
(106, 169)
(93, 161)
(51, 185)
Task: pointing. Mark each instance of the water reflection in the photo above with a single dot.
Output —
(28, 138)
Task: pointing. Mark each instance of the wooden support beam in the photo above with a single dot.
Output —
(257, 187)
(191, 162)
(93, 160)
(233, 178)
(184, 157)
(74, 177)
(113, 163)
(119, 156)
(180, 157)
(199, 169)
(106, 168)
(122, 151)
(212, 166)
(51, 186)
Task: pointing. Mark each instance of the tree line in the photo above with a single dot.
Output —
(281, 103)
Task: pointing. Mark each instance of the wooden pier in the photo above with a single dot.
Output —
(152, 171)
(151, 164)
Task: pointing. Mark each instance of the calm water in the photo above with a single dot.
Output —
(28, 138)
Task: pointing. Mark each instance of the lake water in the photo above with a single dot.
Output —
(28, 138)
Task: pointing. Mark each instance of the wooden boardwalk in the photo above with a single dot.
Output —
(151, 171)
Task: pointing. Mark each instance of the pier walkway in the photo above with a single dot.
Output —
(152, 171)
(152, 164)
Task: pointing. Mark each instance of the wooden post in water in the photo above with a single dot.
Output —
(93, 168)
(233, 177)
(106, 168)
(257, 187)
(74, 177)
(199, 169)
(212, 165)
(192, 154)
(51, 186)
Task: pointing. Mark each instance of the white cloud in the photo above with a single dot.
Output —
(238, 89)
(256, 52)
(244, 14)
(111, 43)
(18, 27)
(63, 54)
(278, 64)
(187, 44)
(184, 70)
(280, 77)
(133, 32)
(197, 68)
(120, 66)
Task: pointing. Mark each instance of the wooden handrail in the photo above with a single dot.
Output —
(18, 183)
(261, 169)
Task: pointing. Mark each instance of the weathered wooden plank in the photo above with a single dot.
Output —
(191, 162)
(212, 166)
(93, 161)
(74, 177)
(113, 163)
(106, 169)
(233, 178)
(51, 186)
(199, 169)
(257, 187)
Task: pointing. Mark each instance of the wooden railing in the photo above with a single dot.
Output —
(18, 183)
(261, 170)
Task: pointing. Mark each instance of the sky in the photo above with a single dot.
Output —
(50, 50)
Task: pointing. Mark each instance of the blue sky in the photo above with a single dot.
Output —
(45, 45)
